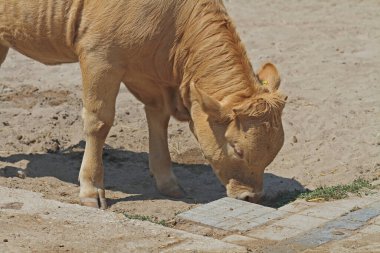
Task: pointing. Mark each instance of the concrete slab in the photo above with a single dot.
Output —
(239, 239)
(343, 224)
(300, 222)
(376, 220)
(371, 229)
(274, 232)
(365, 214)
(324, 211)
(340, 228)
(353, 202)
(229, 214)
(297, 206)
(270, 217)
(360, 242)
(52, 226)
(318, 237)
(243, 226)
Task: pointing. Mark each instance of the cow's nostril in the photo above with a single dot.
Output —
(246, 198)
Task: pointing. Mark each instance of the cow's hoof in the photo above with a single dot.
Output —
(172, 190)
(90, 202)
(103, 203)
(94, 202)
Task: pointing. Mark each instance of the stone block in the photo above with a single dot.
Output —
(349, 204)
(247, 223)
(228, 214)
(297, 206)
(325, 211)
(376, 220)
(318, 237)
(371, 229)
(228, 223)
(270, 216)
(256, 213)
(239, 239)
(301, 222)
(375, 205)
(363, 215)
(251, 209)
(374, 195)
(275, 232)
(196, 217)
(244, 226)
(343, 224)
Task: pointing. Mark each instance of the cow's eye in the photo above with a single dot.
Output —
(239, 153)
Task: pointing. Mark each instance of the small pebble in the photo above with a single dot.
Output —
(338, 233)
(21, 174)
(30, 142)
(5, 240)
(295, 140)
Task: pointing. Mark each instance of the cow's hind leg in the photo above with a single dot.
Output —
(101, 85)
(159, 157)
(3, 53)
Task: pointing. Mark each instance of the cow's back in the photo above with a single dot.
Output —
(49, 30)
(41, 29)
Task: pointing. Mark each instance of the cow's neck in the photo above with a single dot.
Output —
(211, 55)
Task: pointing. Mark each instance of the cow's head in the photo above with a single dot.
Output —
(241, 139)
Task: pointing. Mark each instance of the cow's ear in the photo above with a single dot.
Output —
(269, 77)
(212, 107)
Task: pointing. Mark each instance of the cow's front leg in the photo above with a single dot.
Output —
(100, 87)
(159, 157)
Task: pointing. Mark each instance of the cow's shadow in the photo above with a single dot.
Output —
(128, 172)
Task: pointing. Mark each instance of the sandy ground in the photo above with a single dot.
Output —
(327, 53)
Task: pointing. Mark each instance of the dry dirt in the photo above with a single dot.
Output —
(328, 56)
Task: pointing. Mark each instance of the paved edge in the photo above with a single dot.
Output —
(153, 236)
(297, 226)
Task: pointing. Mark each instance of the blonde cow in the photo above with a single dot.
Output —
(181, 58)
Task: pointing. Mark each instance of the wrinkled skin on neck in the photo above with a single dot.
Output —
(242, 142)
